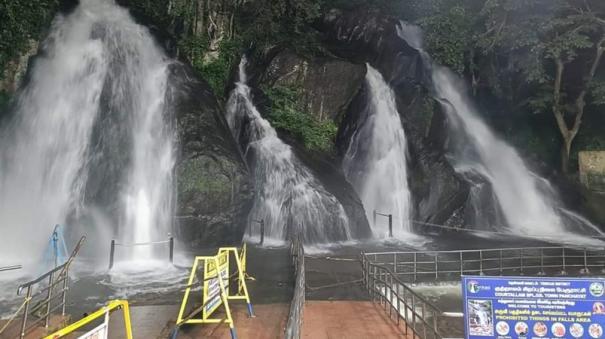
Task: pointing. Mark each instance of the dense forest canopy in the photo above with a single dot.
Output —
(538, 63)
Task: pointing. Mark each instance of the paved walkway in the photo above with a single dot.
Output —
(348, 319)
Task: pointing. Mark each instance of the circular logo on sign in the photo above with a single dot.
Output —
(502, 328)
(521, 328)
(540, 329)
(558, 330)
(576, 330)
(597, 289)
(473, 286)
(595, 331)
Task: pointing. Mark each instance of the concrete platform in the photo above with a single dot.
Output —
(348, 319)
(56, 322)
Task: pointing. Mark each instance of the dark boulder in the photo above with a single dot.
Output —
(368, 36)
(214, 192)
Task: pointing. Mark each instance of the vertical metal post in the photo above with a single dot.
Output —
(436, 265)
(413, 313)
(521, 261)
(415, 266)
(390, 225)
(25, 311)
(586, 270)
(262, 231)
(461, 265)
(395, 262)
(374, 218)
(112, 252)
(56, 247)
(480, 262)
(48, 297)
(424, 318)
(171, 255)
(564, 272)
(64, 294)
(501, 267)
(541, 262)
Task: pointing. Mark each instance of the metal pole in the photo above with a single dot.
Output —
(171, 250)
(436, 265)
(262, 231)
(395, 262)
(501, 268)
(64, 294)
(564, 272)
(55, 247)
(586, 270)
(391, 225)
(111, 253)
(25, 311)
(461, 265)
(48, 297)
(541, 262)
(374, 218)
(415, 266)
(480, 262)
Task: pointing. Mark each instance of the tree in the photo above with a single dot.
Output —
(577, 36)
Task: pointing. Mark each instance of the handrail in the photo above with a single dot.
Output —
(110, 307)
(53, 280)
(10, 268)
(294, 324)
(170, 242)
(418, 314)
(451, 264)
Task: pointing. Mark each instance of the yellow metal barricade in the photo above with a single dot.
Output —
(102, 312)
(215, 289)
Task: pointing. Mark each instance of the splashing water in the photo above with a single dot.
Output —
(375, 162)
(287, 193)
(90, 142)
(528, 203)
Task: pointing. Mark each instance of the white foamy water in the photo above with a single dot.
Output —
(528, 203)
(91, 143)
(287, 194)
(375, 162)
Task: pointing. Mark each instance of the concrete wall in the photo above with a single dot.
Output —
(592, 170)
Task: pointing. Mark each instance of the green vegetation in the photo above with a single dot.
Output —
(22, 21)
(286, 114)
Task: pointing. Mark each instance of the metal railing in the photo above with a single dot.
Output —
(261, 229)
(423, 266)
(409, 310)
(294, 325)
(10, 268)
(389, 216)
(170, 243)
(47, 299)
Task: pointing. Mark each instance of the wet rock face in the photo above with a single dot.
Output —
(438, 191)
(214, 195)
(328, 85)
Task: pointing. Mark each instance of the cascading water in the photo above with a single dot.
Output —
(287, 193)
(527, 204)
(375, 162)
(90, 141)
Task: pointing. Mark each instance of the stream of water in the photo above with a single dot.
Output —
(90, 141)
(288, 197)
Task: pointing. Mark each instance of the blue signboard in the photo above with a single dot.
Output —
(533, 308)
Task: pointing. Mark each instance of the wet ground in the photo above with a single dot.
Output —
(333, 273)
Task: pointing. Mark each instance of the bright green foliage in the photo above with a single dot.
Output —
(21, 21)
(216, 72)
(287, 115)
(449, 36)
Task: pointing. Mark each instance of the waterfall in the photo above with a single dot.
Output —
(375, 162)
(89, 142)
(525, 202)
(287, 194)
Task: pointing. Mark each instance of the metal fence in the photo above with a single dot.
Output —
(170, 242)
(294, 325)
(408, 309)
(425, 266)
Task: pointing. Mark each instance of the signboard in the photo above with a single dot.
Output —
(212, 290)
(523, 307)
(99, 332)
